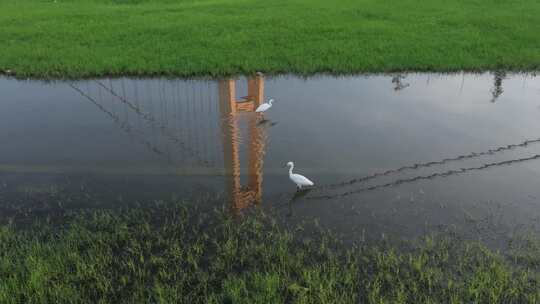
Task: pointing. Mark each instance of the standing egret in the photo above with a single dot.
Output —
(264, 106)
(299, 180)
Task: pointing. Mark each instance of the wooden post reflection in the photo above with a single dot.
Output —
(229, 105)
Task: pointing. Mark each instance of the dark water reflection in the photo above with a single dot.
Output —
(393, 155)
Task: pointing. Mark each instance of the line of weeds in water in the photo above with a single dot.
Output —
(177, 253)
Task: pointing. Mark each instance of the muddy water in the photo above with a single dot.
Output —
(390, 154)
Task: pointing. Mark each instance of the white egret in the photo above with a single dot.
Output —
(299, 180)
(264, 106)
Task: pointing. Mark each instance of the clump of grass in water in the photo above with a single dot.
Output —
(172, 253)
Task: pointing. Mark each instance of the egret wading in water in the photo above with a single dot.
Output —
(299, 180)
(264, 106)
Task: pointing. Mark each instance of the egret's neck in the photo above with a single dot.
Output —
(290, 169)
(270, 101)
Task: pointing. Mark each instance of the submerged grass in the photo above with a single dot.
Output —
(76, 38)
(171, 253)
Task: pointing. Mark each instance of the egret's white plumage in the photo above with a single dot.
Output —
(299, 180)
(264, 106)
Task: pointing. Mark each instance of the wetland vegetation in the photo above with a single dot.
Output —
(410, 216)
(178, 253)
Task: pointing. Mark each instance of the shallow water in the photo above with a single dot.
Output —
(390, 154)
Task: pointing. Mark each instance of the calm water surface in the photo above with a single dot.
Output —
(390, 154)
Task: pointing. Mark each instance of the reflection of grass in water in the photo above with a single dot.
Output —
(169, 253)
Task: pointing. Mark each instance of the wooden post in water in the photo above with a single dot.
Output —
(229, 129)
(257, 140)
(242, 197)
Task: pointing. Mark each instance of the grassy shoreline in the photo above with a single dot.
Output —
(172, 253)
(75, 38)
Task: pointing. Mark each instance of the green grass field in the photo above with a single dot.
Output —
(75, 38)
(171, 253)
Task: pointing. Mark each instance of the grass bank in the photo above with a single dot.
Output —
(76, 38)
(170, 253)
